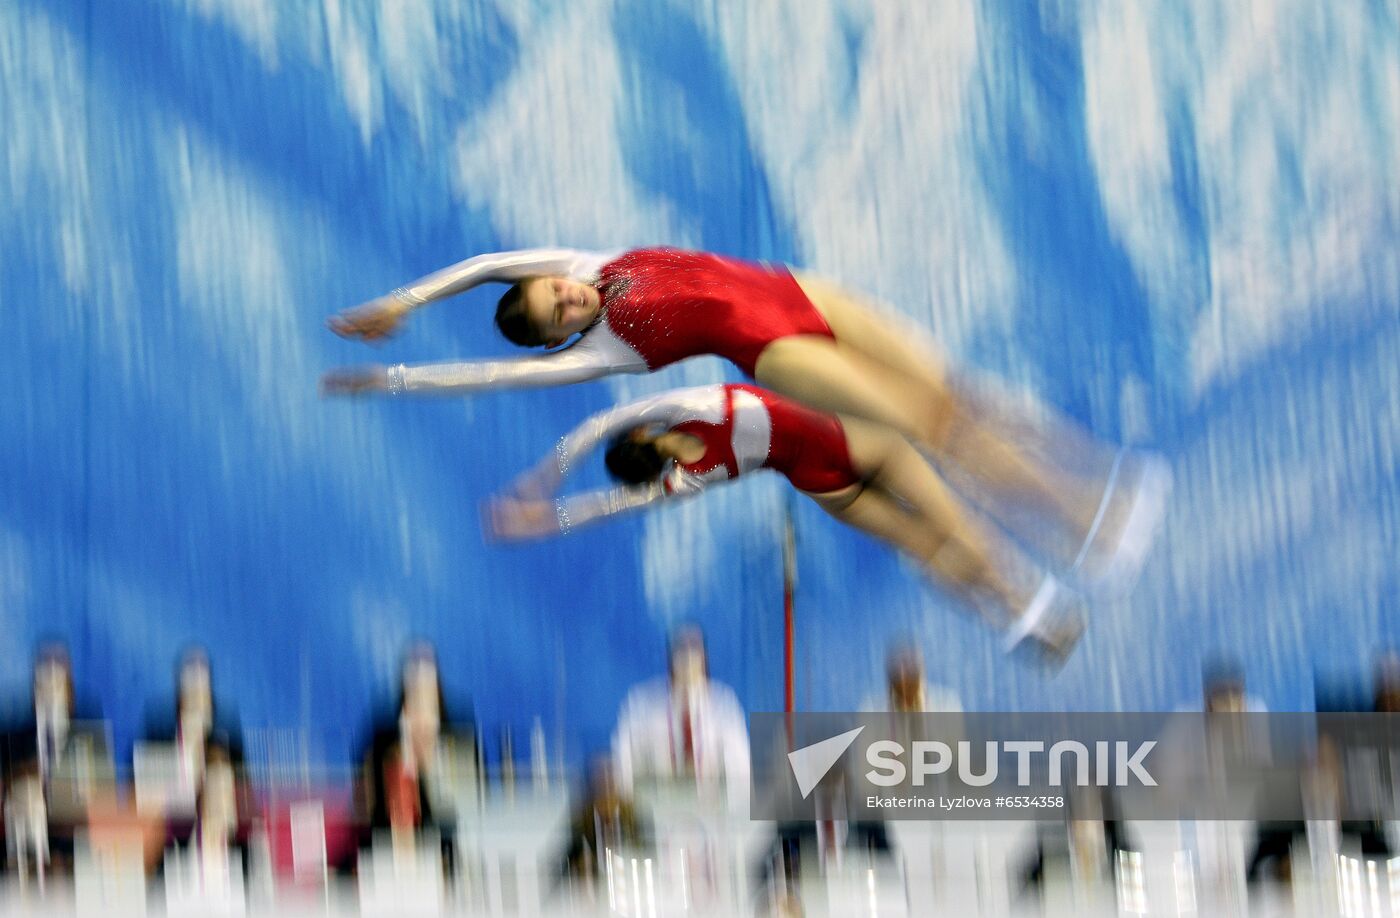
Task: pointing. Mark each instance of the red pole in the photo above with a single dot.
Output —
(789, 623)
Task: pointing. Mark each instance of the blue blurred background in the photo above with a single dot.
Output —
(1177, 222)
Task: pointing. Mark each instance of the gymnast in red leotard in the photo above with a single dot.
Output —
(641, 310)
(680, 442)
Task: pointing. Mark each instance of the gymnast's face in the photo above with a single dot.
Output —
(559, 307)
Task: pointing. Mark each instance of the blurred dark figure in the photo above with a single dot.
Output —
(908, 695)
(908, 689)
(400, 788)
(41, 737)
(826, 841)
(1362, 780)
(1371, 781)
(605, 819)
(820, 845)
(1224, 691)
(194, 726)
(904, 676)
(821, 842)
(196, 719)
(804, 846)
(52, 758)
(1387, 684)
(223, 810)
(1223, 688)
(1084, 847)
(1272, 855)
(1234, 739)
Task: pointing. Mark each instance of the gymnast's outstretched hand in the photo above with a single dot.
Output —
(540, 483)
(375, 321)
(511, 519)
(355, 380)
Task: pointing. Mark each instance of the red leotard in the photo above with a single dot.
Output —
(809, 447)
(668, 305)
(806, 446)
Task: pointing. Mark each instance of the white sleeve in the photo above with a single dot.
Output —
(596, 354)
(666, 409)
(558, 369)
(587, 507)
(505, 267)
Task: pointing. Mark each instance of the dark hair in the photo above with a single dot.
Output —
(512, 319)
(633, 461)
(688, 634)
(1222, 674)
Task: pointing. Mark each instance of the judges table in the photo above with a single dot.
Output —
(707, 862)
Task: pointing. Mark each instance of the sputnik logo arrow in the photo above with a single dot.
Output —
(811, 763)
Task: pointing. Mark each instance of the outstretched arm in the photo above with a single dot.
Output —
(531, 511)
(506, 267)
(593, 356)
(461, 378)
(666, 409)
(380, 317)
(517, 519)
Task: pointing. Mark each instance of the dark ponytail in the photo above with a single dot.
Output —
(633, 461)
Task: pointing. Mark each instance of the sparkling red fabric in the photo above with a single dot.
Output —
(809, 447)
(669, 304)
(718, 440)
(806, 446)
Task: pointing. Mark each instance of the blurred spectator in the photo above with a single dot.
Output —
(605, 820)
(1230, 740)
(192, 726)
(909, 691)
(201, 785)
(1083, 849)
(223, 810)
(1223, 690)
(1358, 779)
(907, 688)
(1369, 779)
(1387, 684)
(196, 719)
(404, 784)
(684, 725)
(818, 847)
(54, 759)
(823, 843)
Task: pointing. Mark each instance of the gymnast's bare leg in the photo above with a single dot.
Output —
(904, 503)
(878, 370)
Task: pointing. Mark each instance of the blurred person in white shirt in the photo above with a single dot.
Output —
(684, 725)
